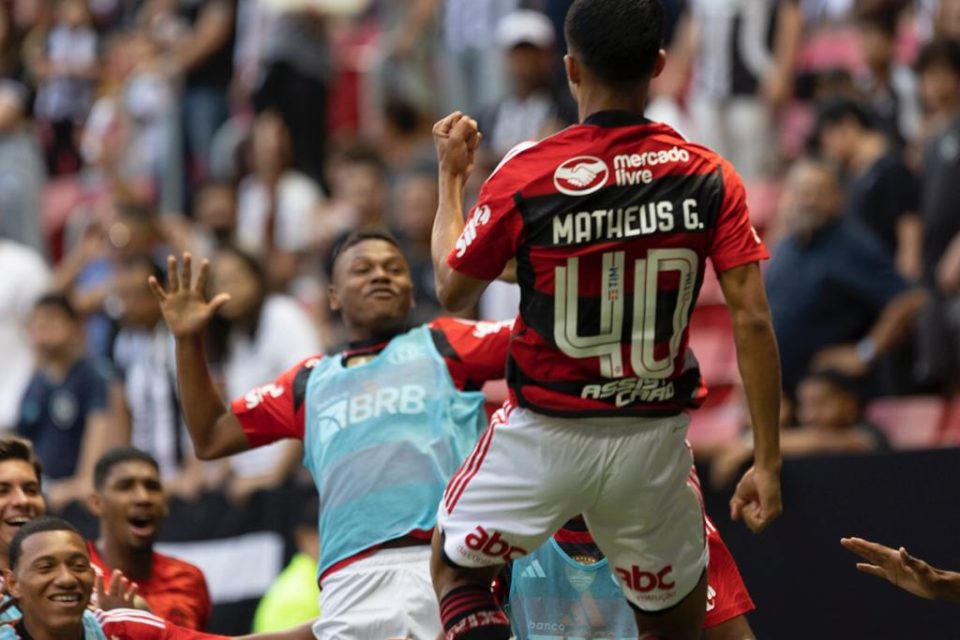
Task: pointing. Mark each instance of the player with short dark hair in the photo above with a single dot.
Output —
(52, 579)
(131, 504)
(611, 223)
(385, 424)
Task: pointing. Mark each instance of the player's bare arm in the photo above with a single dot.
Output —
(214, 430)
(456, 138)
(757, 497)
(903, 570)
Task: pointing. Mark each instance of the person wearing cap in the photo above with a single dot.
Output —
(533, 106)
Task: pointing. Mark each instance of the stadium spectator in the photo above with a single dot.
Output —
(203, 55)
(295, 82)
(415, 208)
(903, 570)
(22, 173)
(143, 354)
(939, 325)
(293, 597)
(276, 204)
(359, 179)
(888, 86)
(881, 192)
(131, 505)
(741, 57)
(25, 279)
(830, 420)
(395, 401)
(66, 409)
(938, 69)
(256, 337)
(830, 286)
(532, 107)
(67, 72)
(471, 70)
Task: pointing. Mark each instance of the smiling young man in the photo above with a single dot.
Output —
(21, 499)
(384, 424)
(52, 579)
(130, 502)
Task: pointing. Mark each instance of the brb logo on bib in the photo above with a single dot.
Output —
(581, 175)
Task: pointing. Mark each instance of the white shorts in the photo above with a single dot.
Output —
(388, 595)
(631, 478)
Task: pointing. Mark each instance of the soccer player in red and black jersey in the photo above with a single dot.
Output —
(131, 504)
(384, 424)
(610, 223)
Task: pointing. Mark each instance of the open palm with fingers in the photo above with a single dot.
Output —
(900, 568)
(184, 303)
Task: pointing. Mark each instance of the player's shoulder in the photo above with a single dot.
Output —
(702, 158)
(167, 567)
(476, 328)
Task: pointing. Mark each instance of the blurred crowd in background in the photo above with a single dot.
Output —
(254, 133)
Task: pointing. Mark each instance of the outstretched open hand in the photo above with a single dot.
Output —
(184, 303)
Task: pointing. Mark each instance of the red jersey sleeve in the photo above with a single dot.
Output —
(727, 595)
(492, 231)
(475, 352)
(276, 411)
(735, 242)
(133, 624)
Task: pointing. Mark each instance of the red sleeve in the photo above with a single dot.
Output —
(492, 231)
(735, 242)
(475, 352)
(275, 411)
(133, 624)
(727, 596)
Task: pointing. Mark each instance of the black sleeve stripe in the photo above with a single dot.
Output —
(300, 387)
(443, 345)
(446, 350)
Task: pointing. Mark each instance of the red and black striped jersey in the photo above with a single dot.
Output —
(611, 222)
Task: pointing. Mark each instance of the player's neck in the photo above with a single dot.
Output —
(40, 632)
(595, 98)
(136, 564)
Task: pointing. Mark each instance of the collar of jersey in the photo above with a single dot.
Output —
(567, 558)
(616, 119)
(369, 346)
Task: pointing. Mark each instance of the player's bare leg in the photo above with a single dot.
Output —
(736, 629)
(684, 621)
(467, 607)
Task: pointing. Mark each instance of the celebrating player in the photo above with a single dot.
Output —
(131, 504)
(384, 424)
(52, 579)
(611, 222)
(565, 588)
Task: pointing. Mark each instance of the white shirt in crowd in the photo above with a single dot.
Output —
(25, 278)
(298, 197)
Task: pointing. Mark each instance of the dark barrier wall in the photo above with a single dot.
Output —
(805, 585)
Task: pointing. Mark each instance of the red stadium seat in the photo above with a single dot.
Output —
(910, 422)
(716, 425)
(711, 338)
(950, 435)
